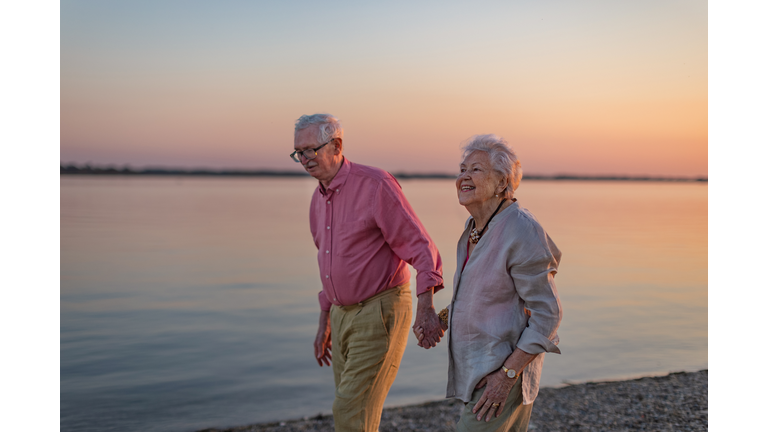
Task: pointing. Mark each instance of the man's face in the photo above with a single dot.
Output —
(322, 166)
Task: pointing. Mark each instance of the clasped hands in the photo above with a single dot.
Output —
(428, 328)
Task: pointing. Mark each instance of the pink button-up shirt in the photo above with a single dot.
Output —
(365, 232)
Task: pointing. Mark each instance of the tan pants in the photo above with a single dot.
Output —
(514, 417)
(368, 341)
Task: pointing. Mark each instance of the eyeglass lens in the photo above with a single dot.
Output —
(309, 154)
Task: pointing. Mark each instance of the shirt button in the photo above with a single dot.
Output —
(337, 190)
(326, 276)
(329, 202)
(327, 251)
(328, 227)
(334, 299)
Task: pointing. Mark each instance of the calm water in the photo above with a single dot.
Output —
(189, 303)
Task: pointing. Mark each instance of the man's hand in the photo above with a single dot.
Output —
(427, 327)
(419, 332)
(323, 340)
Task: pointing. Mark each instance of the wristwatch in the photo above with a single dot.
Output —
(510, 372)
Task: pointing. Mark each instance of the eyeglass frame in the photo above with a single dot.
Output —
(296, 155)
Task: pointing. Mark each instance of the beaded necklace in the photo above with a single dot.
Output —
(474, 236)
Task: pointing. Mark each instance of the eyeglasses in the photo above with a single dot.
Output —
(308, 153)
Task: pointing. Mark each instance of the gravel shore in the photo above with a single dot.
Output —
(675, 402)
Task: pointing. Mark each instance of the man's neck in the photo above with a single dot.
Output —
(326, 183)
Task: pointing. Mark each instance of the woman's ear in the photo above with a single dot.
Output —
(502, 186)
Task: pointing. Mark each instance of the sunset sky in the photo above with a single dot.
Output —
(580, 87)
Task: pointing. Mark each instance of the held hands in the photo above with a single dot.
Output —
(420, 333)
(427, 326)
(497, 388)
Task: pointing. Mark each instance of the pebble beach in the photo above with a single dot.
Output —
(675, 402)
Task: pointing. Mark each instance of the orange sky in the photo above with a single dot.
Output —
(587, 87)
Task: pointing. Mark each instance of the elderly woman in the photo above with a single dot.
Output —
(505, 310)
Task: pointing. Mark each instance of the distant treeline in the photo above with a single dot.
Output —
(89, 170)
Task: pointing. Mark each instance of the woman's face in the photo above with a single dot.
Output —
(477, 182)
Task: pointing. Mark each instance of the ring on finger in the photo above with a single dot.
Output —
(495, 405)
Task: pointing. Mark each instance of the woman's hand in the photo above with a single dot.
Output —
(497, 388)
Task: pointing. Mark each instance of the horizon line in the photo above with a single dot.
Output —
(202, 172)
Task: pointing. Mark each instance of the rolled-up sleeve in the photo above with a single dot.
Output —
(407, 237)
(534, 280)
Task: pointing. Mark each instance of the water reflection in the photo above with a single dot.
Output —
(188, 303)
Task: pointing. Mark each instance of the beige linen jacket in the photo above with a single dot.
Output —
(512, 268)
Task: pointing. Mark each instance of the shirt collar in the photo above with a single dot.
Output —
(468, 223)
(514, 205)
(338, 180)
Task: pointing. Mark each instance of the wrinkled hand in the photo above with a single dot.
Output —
(497, 388)
(428, 328)
(419, 331)
(323, 342)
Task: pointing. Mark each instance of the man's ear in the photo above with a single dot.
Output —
(337, 145)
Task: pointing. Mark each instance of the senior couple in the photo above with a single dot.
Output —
(504, 311)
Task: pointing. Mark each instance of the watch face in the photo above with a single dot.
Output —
(511, 373)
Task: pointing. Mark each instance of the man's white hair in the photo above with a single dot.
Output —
(503, 159)
(330, 126)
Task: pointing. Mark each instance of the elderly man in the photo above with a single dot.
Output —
(366, 234)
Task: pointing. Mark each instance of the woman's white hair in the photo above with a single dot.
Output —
(503, 159)
(330, 126)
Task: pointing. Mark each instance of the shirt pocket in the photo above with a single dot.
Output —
(357, 238)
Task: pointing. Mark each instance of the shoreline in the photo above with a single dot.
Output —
(673, 402)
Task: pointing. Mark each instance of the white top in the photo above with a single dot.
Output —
(512, 268)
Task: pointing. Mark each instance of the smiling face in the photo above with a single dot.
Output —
(328, 160)
(478, 182)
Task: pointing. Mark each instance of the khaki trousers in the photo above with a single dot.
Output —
(368, 341)
(514, 417)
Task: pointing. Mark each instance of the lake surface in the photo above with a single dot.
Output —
(189, 303)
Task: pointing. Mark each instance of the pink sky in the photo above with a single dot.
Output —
(582, 88)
